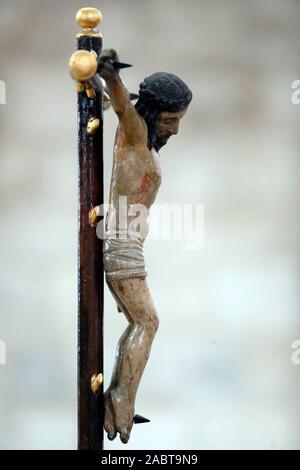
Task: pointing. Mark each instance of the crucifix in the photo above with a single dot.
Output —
(115, 246)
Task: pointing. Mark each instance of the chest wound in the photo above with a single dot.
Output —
(143, 188)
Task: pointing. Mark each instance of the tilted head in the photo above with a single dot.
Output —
(163, 101)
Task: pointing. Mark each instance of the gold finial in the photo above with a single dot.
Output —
(88, 18)
(83, 65)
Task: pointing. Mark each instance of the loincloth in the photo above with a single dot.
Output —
(123, 258)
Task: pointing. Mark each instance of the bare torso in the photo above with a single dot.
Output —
(136, 174)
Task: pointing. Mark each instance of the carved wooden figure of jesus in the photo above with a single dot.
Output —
(136, 175)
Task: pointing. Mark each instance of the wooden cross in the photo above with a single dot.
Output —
(90, 264)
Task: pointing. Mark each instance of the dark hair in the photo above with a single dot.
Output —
(161, 91)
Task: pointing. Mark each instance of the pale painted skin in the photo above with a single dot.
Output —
(136, 174)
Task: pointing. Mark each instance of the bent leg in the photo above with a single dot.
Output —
(109, 418)
(134, 294)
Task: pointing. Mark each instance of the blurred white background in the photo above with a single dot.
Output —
(220, 374)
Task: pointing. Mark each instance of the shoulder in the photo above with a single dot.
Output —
(133, 125)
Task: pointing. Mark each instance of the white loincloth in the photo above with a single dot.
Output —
(123, 258)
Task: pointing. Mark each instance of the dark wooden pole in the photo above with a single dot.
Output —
(90, 265)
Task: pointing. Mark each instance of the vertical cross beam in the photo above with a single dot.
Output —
(90, 265)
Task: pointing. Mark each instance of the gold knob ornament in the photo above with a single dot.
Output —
(83, 65)
(88, 18)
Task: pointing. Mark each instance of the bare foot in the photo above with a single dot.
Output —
(123, 411)
(109, 418)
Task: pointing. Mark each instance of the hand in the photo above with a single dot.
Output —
(93, 214)
(105, 67)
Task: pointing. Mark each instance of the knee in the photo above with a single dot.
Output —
(148, 322)
(156, 323)
(152, 324)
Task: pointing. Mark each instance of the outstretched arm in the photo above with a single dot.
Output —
(134, 126)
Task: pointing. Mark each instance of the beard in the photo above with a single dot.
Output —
(160, 140)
